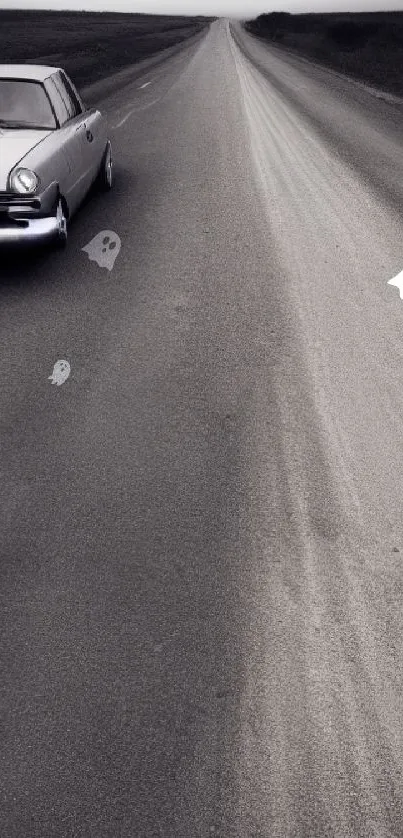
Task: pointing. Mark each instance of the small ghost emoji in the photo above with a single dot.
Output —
(103, 249)
(61, 372)
(398, 282)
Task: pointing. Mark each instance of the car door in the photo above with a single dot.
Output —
(95, 128)
(73, 141)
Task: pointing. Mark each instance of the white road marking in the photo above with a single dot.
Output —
(398, 282)
(103, 249)
(135, 110)
(61, 372)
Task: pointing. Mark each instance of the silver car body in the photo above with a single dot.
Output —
(66, 158)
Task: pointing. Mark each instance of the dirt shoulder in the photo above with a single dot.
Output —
(367, 46)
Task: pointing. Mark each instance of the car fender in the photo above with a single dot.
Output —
(49, 161)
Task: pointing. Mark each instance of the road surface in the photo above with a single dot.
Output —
(202, 538)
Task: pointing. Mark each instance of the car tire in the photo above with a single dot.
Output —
(105, 177)
(61, 235)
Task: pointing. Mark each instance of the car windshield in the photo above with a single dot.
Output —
(24, 104)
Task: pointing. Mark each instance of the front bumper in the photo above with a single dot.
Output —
(33, 230)
(28, 219)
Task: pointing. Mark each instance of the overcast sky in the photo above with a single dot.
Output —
(227, 8)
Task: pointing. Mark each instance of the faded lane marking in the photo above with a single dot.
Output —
(135, 110)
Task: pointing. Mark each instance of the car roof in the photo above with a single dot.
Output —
(29, 72)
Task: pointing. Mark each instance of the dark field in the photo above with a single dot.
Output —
(366, 45)
(89, 45)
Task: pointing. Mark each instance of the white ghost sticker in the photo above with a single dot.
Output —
(61, 372)
(398, 282)
(103, 249)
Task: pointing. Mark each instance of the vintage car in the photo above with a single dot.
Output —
(52, 149)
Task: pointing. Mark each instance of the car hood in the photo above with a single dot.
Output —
(15, 143)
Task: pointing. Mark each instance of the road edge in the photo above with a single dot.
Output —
(377, 92)
(99, 90)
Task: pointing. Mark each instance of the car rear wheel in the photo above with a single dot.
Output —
(105, 177)
(61, 235)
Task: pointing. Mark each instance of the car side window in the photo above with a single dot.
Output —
(58, 103)
(72, 93)
(65, 103)
(65, 95)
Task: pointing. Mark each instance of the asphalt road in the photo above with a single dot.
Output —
(202, 541)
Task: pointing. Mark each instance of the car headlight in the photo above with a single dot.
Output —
(24, 181)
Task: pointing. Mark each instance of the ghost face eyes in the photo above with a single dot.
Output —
(111, 244)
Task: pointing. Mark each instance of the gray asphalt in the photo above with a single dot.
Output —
(201, 575)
